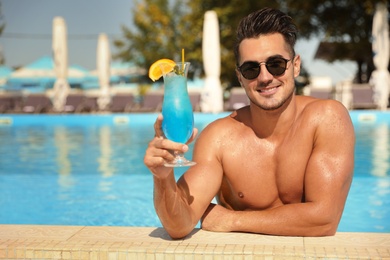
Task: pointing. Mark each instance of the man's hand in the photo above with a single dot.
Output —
(160, 150)
(216, 218)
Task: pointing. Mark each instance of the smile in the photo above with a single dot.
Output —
(267, 90)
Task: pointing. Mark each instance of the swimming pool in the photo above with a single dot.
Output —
(88, 170)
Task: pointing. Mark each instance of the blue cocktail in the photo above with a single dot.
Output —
(178, 118)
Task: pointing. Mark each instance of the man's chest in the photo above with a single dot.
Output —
(264, 177)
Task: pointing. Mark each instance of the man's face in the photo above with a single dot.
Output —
(268, 91)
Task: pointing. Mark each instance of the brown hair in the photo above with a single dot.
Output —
(266, 21)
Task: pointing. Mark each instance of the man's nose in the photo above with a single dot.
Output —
(264, 74)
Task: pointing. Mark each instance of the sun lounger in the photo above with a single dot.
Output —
(238, 99)
(152, 102)
(74, 103)
(122, 103)
(37, 103)
(321, 93)
(195, 100)
(362, 97)
(10, 103)
(5, 104)
(90, 104)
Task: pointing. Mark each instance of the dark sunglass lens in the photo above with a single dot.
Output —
(276, 67)
(250, 70)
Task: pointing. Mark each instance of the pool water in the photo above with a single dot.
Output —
(88, 170)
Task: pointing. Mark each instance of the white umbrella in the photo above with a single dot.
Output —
(212, 99)
(103, 64)
(380, 46)
(60, 52)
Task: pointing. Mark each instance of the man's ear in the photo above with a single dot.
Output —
(238, 74)
(297, 65)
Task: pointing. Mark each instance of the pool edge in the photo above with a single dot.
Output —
(88, 242)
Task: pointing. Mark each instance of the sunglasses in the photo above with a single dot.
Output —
(275, 66)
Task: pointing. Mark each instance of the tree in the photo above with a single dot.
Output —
(229, 14)
(345, 26)
(163, 27)
(159, 33)
(2, 26)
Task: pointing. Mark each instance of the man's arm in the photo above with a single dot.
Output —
(172, 207)
(327, 180)
(178, 205)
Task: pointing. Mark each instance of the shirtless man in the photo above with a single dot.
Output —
(282, 165)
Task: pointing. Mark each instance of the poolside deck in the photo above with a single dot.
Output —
(82, 242)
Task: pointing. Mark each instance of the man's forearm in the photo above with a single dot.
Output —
(300, 219)
(288, 220)
(172, 209)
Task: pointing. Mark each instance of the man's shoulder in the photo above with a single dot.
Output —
(223, 122)
(222, 126)
(323, 110)
(320, 107)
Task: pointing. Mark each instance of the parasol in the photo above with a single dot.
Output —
(380, 77)
(211, 99)
(103, 68)
(60, 52)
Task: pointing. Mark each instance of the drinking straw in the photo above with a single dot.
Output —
(182, 60)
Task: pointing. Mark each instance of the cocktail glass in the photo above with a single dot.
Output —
(178, 117)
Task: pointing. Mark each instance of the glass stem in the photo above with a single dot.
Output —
(179, 156)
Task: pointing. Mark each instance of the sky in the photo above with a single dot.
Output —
(28, 31)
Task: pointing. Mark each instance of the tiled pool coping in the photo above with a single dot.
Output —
(86, 242)
(140, 119)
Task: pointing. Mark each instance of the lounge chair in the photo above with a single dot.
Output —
(152, 102)
(362, 97)
(321, 93)
(90, 104)
(238, 99)
(122, 103)
(195, 98)
(74, 103)
(6, 104)
(37, 103)
(10, 103)
(320, 87)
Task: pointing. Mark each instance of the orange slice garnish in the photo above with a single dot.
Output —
(160, 67)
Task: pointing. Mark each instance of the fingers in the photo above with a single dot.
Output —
(157, 126)
(160, 150)
(155, 156)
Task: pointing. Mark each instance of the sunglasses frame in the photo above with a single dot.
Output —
(271, 60)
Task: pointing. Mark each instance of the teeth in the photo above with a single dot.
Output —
(267, 90)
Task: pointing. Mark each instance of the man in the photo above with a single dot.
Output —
(282, 165)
